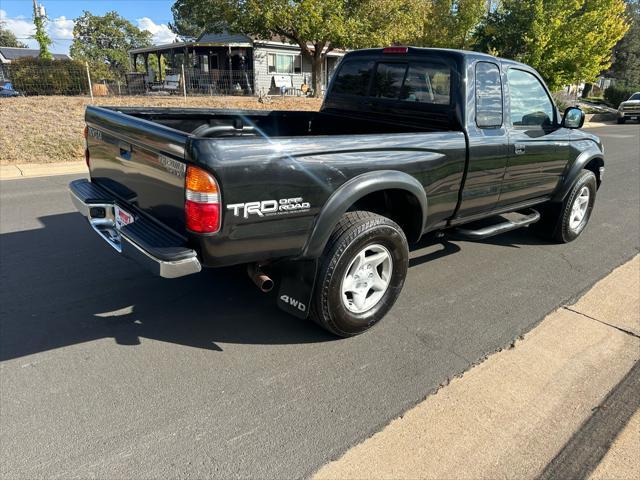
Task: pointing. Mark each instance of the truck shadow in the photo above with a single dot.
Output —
(438, 246)
(61, 286)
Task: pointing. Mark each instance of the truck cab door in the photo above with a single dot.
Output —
(538, 149)
(488, 138)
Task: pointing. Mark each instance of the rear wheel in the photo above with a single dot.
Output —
(362, 272)
(564, 222)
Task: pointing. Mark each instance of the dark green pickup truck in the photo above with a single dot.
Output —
(408, 141)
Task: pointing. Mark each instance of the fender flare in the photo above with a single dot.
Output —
(352, 191)
(570, 177)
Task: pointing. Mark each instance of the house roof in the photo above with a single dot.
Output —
(223, 38)
(12, 53)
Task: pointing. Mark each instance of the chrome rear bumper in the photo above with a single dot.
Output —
(167, 259)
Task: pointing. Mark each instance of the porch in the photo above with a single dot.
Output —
(208, 69)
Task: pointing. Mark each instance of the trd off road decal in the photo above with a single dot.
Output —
(266, 208)
(172, 166)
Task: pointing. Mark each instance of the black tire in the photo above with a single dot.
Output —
(621, 120)
(555, 223)
(354, 233)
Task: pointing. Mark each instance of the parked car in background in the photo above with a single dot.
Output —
(7, 90)
(629, 109)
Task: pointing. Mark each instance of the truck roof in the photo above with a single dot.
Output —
(456, 53)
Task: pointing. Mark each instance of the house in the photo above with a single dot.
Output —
(8, 54)
(233, 63)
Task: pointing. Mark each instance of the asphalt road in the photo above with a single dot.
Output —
(109, 372)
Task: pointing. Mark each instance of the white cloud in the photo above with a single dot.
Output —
(160, 31)
(60, 30)
(20, 26)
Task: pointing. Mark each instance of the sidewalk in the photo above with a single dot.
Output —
(561, 403)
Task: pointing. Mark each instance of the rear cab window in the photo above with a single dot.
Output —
(353, 78)
(422, 82)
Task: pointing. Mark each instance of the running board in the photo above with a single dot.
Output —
(525, 219)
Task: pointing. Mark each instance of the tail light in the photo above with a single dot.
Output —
(202, 201)
(87, 158)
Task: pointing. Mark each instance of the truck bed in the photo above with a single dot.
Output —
(140, 156)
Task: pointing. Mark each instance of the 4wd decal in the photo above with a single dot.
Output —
(293, 302)
(269, 207)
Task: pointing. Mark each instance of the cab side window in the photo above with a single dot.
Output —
(530, 104)
(488, 95)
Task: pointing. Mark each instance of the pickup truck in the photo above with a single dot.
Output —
(323, 204)
(629, 108)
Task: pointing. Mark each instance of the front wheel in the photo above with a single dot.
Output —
(565, 222)
(362, 272)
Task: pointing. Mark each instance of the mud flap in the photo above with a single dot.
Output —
(296, 286)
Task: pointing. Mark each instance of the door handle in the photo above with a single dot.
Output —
(520, 148)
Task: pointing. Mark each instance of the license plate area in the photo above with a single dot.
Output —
(122, 217)
(107, 220)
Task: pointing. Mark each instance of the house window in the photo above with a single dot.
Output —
(284, 63)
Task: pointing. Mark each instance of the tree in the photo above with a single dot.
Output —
(104, 42)
(567, 41)
(626, 54)
(449, 23)
(8, 38)
(316, 26)
(40, 22)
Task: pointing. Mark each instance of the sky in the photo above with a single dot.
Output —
(151, 15)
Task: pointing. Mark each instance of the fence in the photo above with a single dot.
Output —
(67, 78)
(73, 79)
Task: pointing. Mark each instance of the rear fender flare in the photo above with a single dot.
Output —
(352, 191)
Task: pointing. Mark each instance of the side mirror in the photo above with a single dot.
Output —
(573, 118)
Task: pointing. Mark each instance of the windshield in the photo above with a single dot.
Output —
(635, 96)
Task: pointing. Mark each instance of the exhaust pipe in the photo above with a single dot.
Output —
(257, 276)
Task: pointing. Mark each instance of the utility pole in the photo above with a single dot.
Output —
(39, 19)
(39, 11)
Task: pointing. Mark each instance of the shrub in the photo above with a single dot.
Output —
(36, 76)
(616, 94)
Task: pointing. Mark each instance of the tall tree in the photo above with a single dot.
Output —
(8, 38)
(317, 26)
(567, 41)
(41, 36)
(449, 23)
(104, 42)
(626, 54)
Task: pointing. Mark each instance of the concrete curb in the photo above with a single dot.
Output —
(600, 117)
(598, 124)
(31, 170)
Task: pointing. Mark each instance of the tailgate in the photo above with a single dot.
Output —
(139, 161)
